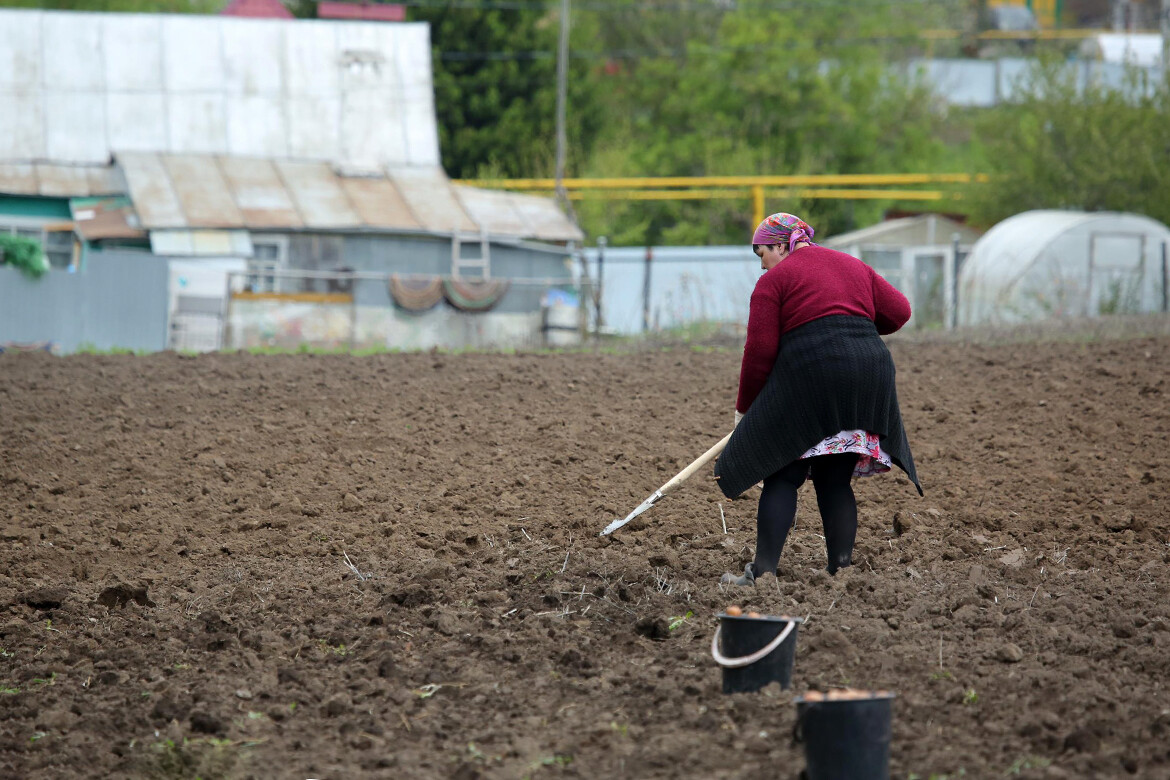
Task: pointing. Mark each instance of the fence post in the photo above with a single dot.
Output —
(646, 291)
(353, 312)
(953, 319)
(1165, 281)
(225, 331)
(601, 243)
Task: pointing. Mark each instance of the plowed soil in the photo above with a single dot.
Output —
(304, 566)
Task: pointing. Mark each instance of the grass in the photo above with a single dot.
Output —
(708, 336)
(210, 757)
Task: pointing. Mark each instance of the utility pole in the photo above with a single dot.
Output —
(562, 98)
(1164, 18)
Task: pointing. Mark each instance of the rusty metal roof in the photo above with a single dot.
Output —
(105, 217)
(193, 191)
(48, 180)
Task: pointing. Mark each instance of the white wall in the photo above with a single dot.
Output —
(78, 87)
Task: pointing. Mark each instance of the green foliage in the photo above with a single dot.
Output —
(757, 91)
(495, 90)
(24, 254)
(1060, 146)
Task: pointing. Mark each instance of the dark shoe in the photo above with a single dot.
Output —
(747, 580)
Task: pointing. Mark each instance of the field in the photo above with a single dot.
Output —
(328, 566)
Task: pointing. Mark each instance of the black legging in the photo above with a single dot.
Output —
(831, 476)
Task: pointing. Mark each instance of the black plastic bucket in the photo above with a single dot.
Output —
(748, 663)
(846, 739)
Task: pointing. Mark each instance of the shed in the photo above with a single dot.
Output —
(292, 162)
(918, 255)
(1047, 264)
(1143, 50)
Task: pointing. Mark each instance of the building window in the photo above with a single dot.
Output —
(269, 254)
(56, 244)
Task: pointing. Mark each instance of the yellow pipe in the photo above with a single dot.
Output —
(828, 194)
(844, 179)
(1044, 35)
(757, 204)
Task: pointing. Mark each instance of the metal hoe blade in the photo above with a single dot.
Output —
(616, 524)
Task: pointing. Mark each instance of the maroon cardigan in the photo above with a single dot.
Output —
(811, 283)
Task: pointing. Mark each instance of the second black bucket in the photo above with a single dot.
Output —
(755, 651)
(846, 738)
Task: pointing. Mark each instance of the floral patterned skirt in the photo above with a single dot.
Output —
(871, 458)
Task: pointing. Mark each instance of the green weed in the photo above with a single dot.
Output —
(677, 622)
(1027, 762)
(327, 649)
(970, 696)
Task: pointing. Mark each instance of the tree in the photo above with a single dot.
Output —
(1091, 148)
(495, 89)
(764, 91)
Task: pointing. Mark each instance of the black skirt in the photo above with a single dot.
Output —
(832, 374)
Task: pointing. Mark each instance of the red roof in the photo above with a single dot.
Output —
(257, 9)
(371, 12)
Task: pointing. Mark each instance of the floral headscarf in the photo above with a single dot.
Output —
(784, 229)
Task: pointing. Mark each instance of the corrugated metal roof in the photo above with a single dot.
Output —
(317, 191)
(544, 219)
(59, 181)
(207, 191)
(202, 191)
(432, 198)
(261, 196)
(380, 204)
(105, 217)
(493, 207)
(149, 187)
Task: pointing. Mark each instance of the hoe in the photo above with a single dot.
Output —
(674, 482)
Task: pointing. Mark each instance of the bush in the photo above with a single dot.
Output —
(23, 253)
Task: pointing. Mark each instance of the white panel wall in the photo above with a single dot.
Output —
(252, 54)
(314, 128)
(310, 60)
(21, 123)
(418, 95)
(73, 53)
(75, 127)
(84, 86)
(137, 122)
(255, 127)
(192, 55)
(20, 52)
(197, 123)
(134, 61)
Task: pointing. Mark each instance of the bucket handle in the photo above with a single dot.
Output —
(747, 660)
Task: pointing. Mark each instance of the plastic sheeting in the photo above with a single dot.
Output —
(1049, 264)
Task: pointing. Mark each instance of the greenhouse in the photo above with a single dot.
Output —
(1049, 264)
